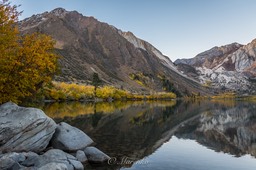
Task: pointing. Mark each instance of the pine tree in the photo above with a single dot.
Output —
(96, 82)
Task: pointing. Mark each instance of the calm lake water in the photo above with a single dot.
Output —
(178, 135)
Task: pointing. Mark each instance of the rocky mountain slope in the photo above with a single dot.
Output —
(120, 58)
(209, 57)
(230, 67)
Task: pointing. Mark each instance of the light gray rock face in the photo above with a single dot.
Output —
(80, 155)
(6, 163)
(53, 159)
(69, 138)
(24, 129)
(210, 55)
(54, 166)
(227, 67)
(58, 156)
(95, 155)
(31, 159)
(12, 161)
(17, 157)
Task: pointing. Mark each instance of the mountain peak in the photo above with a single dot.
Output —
(61, 12)
(253, 42)
(129, 33)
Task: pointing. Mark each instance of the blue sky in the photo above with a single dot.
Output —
(178, 28)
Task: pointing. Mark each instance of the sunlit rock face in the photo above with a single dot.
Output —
(231, 66)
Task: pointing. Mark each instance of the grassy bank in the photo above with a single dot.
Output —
(227, 96)
(60, 91)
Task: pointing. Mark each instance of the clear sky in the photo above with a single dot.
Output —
(178, 28)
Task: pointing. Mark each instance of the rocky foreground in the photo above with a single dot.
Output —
(30, 140)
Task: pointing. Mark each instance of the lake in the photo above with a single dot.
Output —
(179, 135)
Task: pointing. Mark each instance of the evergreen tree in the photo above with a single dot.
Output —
(96, 82)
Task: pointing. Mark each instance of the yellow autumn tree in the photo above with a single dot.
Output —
(26, 62)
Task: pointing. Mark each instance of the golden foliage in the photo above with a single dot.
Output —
(26, 62)
(111, 92)
(162, 96)
(228, 95)
(139, 78)
(64, 91)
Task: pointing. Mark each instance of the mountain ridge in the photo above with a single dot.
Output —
(232, 67)
(120, 58)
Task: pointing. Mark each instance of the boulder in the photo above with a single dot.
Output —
(69, 138)
(17, 157)
(58, 156)
(55, 166)
(6, 163)
(31, 159)
(24, 129)
(53, 159)
(11, 161)
(80, 156)
(95, 155)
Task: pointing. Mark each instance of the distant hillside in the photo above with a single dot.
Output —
(120, 58)
(230, 67)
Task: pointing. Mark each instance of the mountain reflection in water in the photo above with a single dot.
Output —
(138, 130)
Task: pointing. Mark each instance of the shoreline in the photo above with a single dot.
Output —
(31, 139)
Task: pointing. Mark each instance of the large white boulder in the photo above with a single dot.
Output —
(24, 129)
(69, 138)
(95, 155)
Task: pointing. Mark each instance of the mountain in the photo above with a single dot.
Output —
(120, 58)
(209, 57)
(230, 67)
